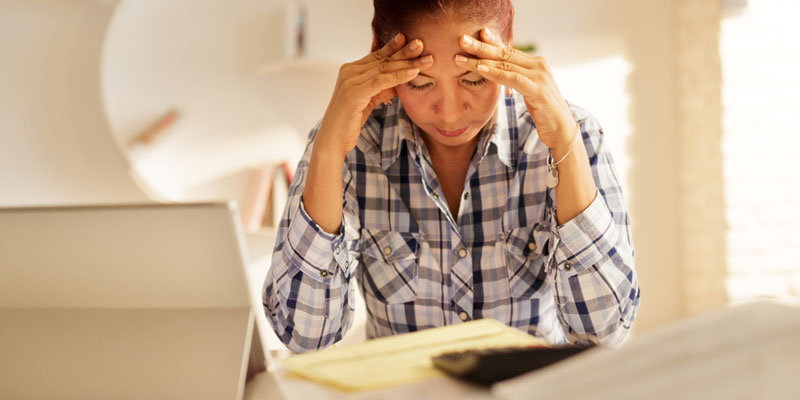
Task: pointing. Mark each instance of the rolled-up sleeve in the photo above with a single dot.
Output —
(308, 293)
(597, 290)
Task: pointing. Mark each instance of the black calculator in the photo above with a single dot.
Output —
(488, 366)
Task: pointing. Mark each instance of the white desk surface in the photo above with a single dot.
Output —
(745, 352)
(277, 382)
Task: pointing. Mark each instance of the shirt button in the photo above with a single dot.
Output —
(466, 195)
(435, 196)
(462, 253)
(463, 315)
(338, 250)
(387, 250)
(323, 273)
(567, 266)
(531, 246)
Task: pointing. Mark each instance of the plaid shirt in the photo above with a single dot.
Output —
(503, 257)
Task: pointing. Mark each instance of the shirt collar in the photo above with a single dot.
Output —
(397, 130)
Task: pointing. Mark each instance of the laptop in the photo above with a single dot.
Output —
(125, 301)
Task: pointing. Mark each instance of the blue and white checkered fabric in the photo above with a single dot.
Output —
(503, 257)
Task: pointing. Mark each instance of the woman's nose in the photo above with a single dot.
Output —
(450, 106)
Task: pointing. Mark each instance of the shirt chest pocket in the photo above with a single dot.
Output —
(526, 252)
(389, 265)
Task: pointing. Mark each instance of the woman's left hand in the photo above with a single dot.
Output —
(528, 75)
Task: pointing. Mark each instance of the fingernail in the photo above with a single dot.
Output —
(461, 59)
(489, 33)
(426, 59)
(467, 40)
(483, 68)
(412, 71)
(398, 37)
(414, 45)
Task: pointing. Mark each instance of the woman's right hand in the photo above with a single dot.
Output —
(364, 84)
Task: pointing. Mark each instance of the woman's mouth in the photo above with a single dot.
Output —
(452, 133)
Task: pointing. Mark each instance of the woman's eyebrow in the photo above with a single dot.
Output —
(428, 76)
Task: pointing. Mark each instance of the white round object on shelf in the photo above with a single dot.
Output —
(222, 66)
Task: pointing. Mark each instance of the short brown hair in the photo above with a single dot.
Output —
(394, 16)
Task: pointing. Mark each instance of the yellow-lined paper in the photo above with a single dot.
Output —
(403, 358)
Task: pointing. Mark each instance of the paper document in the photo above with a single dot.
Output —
(403, 358)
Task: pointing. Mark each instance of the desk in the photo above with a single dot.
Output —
(748, 351)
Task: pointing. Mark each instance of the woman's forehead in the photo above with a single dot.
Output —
(440, 36)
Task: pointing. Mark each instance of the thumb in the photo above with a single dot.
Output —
(385, 95)
(382, 97)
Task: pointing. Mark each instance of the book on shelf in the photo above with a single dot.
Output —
(266, 197)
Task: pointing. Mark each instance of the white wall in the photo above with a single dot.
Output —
(54, 141)
(760, 62)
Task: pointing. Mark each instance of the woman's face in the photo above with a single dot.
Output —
(449, 103)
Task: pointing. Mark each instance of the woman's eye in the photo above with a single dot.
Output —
(475, 83)
(419, 87)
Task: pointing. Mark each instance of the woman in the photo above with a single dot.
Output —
(451, 181)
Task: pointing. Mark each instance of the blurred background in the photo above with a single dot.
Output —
(108, 101)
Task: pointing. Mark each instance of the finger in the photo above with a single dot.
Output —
(390, 48)
(411, 50)
(489, 51)
(381, 82)
(512, 77)
(489, 37)
(373, 102)
(473, 64)
(387, 50)
(385, 96)
(387, 66)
